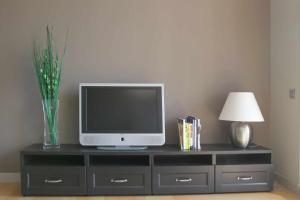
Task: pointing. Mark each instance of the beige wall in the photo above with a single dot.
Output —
(200, 49)
(285, 74)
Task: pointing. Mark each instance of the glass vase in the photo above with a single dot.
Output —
(51, 136)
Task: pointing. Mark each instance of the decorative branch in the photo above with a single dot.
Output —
(48, 64)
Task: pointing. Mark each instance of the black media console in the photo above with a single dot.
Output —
(77, 170)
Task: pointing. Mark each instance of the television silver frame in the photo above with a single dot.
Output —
(122, 139)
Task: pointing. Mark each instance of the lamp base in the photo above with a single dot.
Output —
(241, 134)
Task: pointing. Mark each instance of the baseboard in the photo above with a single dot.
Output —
(286, 182)
(9, 177)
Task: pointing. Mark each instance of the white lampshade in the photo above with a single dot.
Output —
(242, 107)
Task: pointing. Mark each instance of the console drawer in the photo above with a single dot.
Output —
(183, 179)
(243, 178)
(52, 180)
(119, 180)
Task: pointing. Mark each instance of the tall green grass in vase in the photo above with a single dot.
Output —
(48, 64)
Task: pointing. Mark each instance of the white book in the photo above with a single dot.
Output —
(198, 134)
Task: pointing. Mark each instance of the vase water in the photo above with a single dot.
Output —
(51, 136)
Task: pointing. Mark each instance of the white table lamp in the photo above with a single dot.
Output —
(240, 108)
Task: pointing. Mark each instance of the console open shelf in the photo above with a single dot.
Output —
(53, 160)
(243, 159)
(182, 160)
(119, 160)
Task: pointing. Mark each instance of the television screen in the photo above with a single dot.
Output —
(121, 109)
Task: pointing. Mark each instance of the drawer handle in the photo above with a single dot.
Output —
(183, 180)
(53, 181)
(124, 180)
(245, 178)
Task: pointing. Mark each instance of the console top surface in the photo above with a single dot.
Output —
(166, 149)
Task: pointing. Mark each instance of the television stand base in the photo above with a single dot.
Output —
(77, 170)
(122, 148)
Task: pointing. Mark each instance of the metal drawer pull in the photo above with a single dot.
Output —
(125, 180)
(244, 178)
(53, 181)
(183, 180)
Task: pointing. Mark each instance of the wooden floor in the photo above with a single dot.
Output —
(11, 191)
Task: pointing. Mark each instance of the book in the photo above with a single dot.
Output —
(192, 129)
(186, 136)
(190, 134)
(198, 139)
(180, 132)
(183, 134)
(195, 134)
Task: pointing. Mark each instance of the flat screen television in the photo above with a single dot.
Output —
(121, 114)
